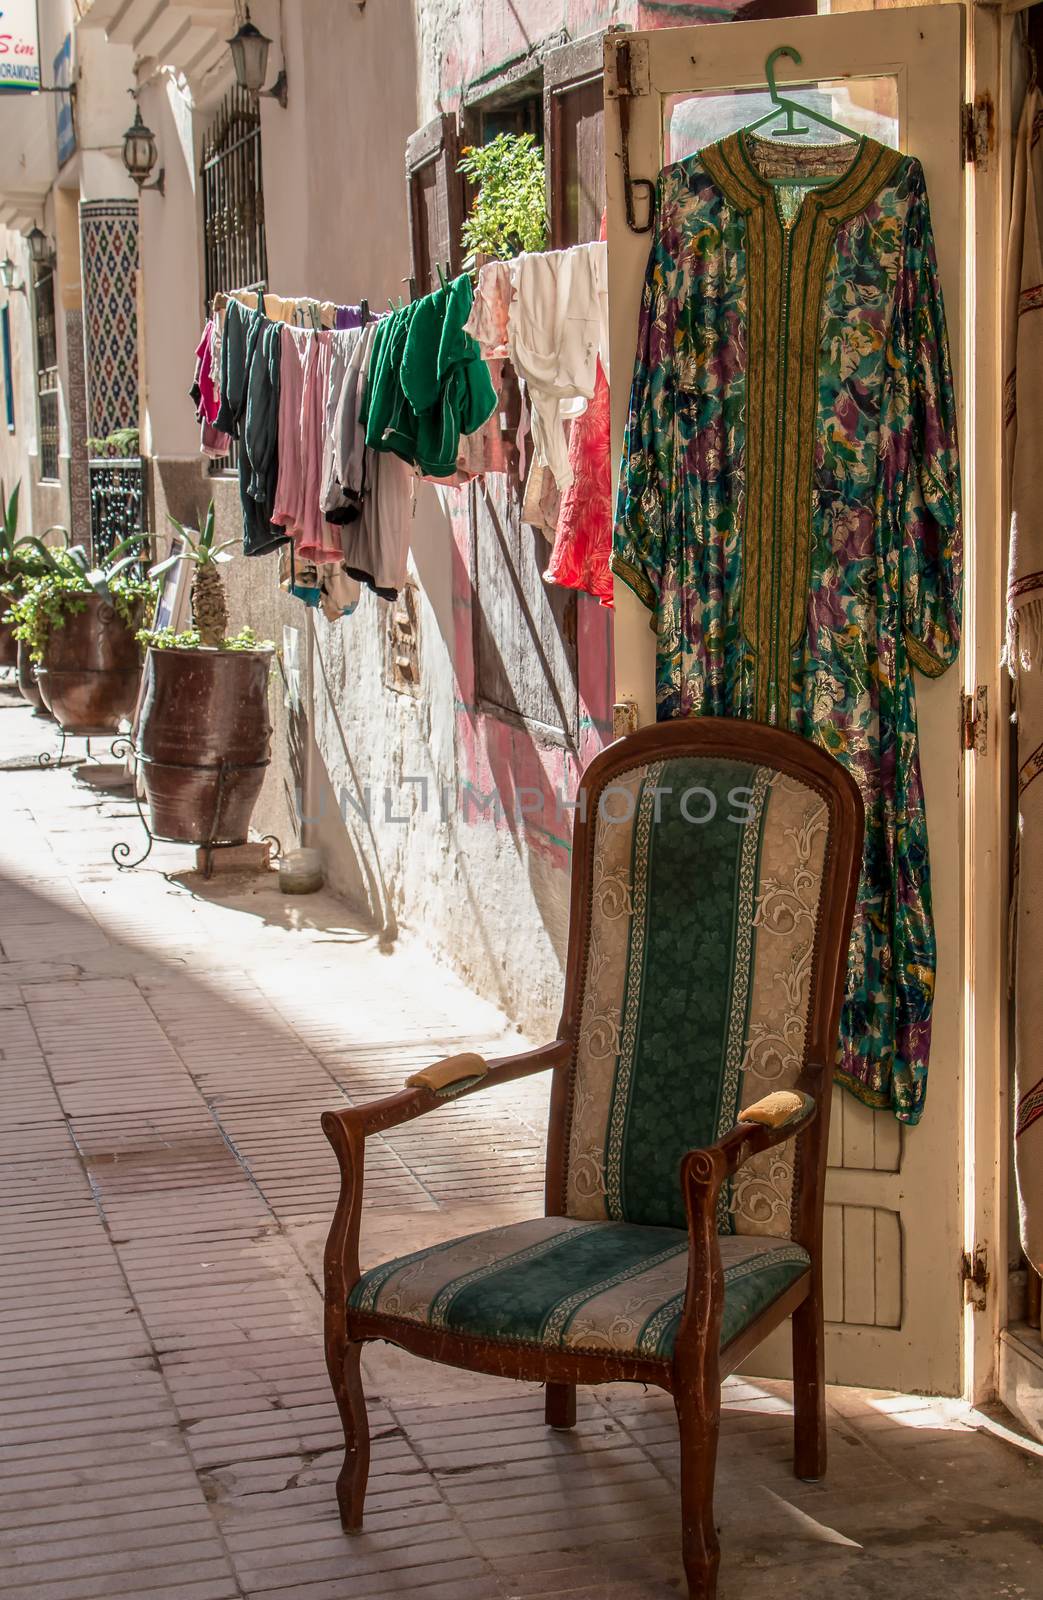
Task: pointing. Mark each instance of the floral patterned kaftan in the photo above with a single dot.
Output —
(789, 510)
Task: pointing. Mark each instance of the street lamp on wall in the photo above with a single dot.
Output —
(140, 153)
(39, 247)
(249, 47)
(7, 277)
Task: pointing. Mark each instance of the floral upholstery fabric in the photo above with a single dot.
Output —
(706, 883)
(558, 1283)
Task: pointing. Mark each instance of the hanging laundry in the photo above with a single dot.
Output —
(541, 501)
(249, 412)
(302, 432)
(327, 587)
(557, 327)
(206, 395)
(582, 554)
(375, 546)
(345, 317)
(490, 312)
(344, 478)
(427, 383)
(789, 511)
(483, 451)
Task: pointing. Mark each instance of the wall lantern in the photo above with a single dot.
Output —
(7, 275)
(249, 47)
(140, 153)
(39, 247)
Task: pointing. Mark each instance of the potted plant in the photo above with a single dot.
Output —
(509, 211)
(80, 624)
(19, 564)
(204, 734)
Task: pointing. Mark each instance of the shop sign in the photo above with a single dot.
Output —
(19, 45)
(65, 123)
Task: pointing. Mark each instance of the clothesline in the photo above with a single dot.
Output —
(338, 414)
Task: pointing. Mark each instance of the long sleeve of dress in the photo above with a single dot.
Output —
(645, 478)
(932, 554)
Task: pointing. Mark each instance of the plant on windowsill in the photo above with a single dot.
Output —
(509, 212)
(79, 624)
(121, 444)
(204, 735)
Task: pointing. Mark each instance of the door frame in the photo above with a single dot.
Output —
(984, 776)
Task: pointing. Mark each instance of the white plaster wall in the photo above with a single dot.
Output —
(170, 255)
(17, 447)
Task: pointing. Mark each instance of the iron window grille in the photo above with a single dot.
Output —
(46, 371)
(235, 251)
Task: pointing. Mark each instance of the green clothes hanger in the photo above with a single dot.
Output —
(791, 129)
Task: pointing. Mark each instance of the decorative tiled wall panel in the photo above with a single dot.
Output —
(109, 257)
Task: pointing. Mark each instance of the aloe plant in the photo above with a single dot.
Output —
(209, 605)
(19, 558)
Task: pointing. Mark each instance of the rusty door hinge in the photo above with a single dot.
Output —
(974, 1271)
(978, 130)
(974, 720)
(624, 718)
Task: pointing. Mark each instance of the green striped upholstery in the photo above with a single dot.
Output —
(706, 883)
(563, 1284)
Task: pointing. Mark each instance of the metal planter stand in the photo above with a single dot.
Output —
(47, 758)
(121, 852)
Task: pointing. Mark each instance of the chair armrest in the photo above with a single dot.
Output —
(702, 1174)
(770, 1121)
(450, 1078)
(348, 1129)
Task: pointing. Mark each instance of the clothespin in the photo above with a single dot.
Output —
(413, 292)
(364, 311)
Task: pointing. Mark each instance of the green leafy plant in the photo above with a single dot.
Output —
(167, 639)
(209, 606)
(18, 557)
(509, 212)
(117, 445)
(65, 583)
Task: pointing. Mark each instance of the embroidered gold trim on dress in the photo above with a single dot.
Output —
(922, 658)
(782, 359)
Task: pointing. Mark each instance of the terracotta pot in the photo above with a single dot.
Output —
(204, 742)
(8, 642)
(91, 670)
(28, 687)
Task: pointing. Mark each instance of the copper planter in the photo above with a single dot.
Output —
(8, 642)
(28, 687)
(91, 669)
(204, 742)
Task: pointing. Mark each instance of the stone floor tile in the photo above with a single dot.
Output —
(167, 1047)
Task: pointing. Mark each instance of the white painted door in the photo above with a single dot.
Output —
(894, 1217)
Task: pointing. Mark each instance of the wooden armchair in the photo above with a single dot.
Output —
(714, 872)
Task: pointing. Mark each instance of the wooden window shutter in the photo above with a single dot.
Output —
(574, 135)
(435, 192)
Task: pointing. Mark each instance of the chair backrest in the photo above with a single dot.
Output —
(714, 870)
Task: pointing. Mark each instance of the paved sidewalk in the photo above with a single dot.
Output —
(166, 1048)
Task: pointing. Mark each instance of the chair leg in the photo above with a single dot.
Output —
(699, 1425)
(560, 1405)
(351, 1403)
(809, 1389)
